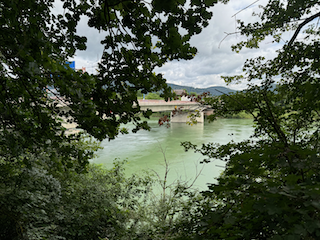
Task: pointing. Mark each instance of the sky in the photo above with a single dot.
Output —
(214, 58)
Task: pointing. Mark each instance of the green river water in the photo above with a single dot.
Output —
(144, 150)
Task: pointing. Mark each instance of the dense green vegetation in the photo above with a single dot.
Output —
(155, 96)
(270, 188)
(48, 190)
(152, 95)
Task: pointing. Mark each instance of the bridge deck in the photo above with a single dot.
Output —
(161, 105)
(156, 105)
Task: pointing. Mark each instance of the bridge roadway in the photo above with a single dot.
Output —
(161, 105)
(155, 105)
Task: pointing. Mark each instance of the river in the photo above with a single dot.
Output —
(145, 150)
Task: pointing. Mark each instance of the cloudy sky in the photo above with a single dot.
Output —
(214, 58)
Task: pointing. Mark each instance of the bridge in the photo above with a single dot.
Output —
(161, 106)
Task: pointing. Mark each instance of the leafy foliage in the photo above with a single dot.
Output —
(98, 204)
(153, 96)
(41, 195)
(270, 187)
(36, 43)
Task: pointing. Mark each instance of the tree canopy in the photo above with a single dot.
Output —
(36, 153)
(36, 43)
(270, 187)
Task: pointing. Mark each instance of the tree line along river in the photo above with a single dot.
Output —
(145, 150)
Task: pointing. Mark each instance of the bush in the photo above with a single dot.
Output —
(155, 96)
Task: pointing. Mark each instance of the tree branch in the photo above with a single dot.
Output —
(245, 8)
(309, 19)
(228, 34)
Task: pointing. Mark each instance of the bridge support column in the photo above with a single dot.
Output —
(183, 117)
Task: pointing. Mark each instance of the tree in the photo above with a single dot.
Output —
(35, 44)
(154, 96)
(270, 187)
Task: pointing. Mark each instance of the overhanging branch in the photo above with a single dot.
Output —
(309, 19)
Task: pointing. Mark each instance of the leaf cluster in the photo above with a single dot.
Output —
(36, 42)
(47, 189)
(270, 187)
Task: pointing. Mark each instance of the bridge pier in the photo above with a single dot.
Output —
(183, 117)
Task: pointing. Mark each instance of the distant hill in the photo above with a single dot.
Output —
(214, 91)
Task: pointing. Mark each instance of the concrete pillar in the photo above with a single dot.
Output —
(183, 117)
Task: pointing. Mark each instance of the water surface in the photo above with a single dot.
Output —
(146, 150)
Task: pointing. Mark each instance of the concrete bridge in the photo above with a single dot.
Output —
(161, 106)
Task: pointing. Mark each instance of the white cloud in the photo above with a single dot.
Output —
(214, 57)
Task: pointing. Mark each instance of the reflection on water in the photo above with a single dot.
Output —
(144, 150)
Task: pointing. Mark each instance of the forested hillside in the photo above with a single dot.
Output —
(214, 91)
